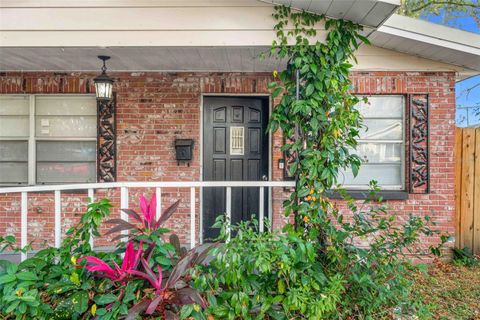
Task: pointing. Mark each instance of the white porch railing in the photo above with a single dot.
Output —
(124, 188)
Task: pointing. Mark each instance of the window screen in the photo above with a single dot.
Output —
(381, 145)
(14, 135)
(60, 132)
(58, 121)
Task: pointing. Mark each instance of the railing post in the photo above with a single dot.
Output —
(124, 205)
(24, 226)
(158, 195)
(261, 207)
(58, 218)
(192, 217)
(91, 200)
(228, 210)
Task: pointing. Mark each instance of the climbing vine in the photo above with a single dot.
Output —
(316, 112)
(323, 266)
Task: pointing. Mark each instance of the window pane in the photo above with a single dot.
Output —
(382, 107)
(61, 172)
(380, 129)
(13, 172)
(66, 151)
(14, 105)
(66, 126)
(380, 152)
(385, 174)
(14, 126)
(66, 105)
(13, 151)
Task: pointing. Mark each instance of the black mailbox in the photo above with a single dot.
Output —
(184, 149)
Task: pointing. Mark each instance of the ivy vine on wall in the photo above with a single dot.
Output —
(316, 112)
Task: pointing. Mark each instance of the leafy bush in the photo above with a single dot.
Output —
(268, 275)
(291, 275)
(49, 285)
(465, 257)
(74, 282)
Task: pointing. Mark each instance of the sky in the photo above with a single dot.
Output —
(468, 103)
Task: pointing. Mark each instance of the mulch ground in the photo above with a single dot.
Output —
(452, 291)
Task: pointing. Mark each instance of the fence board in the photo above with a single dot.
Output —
(458, 183)
(467, 185)
(476, 195)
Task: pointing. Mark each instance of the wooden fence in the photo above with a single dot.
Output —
(467, 188)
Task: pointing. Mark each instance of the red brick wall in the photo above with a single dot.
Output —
(155, 108)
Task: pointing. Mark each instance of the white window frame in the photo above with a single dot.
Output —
(402, 143)
(32, 139)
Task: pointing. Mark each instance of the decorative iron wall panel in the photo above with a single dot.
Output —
(106, 141)
(419, 144)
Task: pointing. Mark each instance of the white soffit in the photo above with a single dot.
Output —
(201, 59)
(370, 13)
(428, 40)
(159, 59)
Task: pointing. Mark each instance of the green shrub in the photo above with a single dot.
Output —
(145, 277)
(49, 285)
(465, 257)
(292, 276)
(258, 275)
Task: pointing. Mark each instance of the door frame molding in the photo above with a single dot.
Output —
(270, 146)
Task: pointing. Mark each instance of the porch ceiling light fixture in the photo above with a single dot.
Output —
(103, 83)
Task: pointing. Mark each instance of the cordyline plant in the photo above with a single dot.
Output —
(146, 227)
(146, 223)
(130, 263)
(163, 292)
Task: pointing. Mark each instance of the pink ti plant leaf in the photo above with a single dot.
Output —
(148, 209)
(95, 264)
(132, 257)
(130, 262)
(150, 276)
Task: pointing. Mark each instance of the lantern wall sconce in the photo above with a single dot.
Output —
(103, 83)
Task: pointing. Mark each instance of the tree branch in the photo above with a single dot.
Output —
(430, 3)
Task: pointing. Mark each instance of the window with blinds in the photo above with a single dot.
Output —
(381, 145)
(14, 139)
(47, 139)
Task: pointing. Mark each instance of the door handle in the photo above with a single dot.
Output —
(264, 177)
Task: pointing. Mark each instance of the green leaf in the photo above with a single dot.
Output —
(186, 311)
(281, 286)
(129, 292)
(27, 276)
(163, 261)
(364, 39)
(272, 85)
(310, 89)
(12, 306)
(355, 170)
(105, 299)
(80, 301)
(101, 312)
(22, 308)
(7, 278)
(12, 268)
(10, 239)
(276, 92)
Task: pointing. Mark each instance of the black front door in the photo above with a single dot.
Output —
(235, 148)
